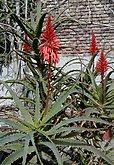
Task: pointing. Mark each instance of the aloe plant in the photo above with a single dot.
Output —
(34, 133)
(93, 93)
(49, 137)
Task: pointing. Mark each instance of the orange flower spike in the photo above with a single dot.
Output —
(49, 44)
(25, 46)
(93, 45)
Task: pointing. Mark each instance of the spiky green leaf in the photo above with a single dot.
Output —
(55, 151)
(83, 145)
(11, 138)
(16, 155)
(77, 119)
(39, 25)
(26, 147)
(57, 106)
(54, 131)
(24, 111)
(14, 124)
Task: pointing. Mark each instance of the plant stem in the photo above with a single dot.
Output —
(49, 87)
(102, 79)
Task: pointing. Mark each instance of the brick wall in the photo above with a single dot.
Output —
(88, 16)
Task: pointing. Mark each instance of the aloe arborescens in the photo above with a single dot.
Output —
(49, 52)
(102, 67)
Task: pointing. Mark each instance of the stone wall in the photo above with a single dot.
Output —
(86, 16)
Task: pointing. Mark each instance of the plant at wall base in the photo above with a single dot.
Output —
(95, 95)
(36, 137)
(44, 132)
(31, 41)
(44, 139)
(98, 95)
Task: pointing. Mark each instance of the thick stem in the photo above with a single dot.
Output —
(49, 87)
(102, 79)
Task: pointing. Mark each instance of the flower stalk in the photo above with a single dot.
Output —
(102, 67)
(49, 88)
(49, 53)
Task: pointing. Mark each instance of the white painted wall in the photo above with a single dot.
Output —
(85, 60)
(11, 72)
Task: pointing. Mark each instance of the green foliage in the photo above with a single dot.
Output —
(39, 131)
(72, 127)
(92, 91)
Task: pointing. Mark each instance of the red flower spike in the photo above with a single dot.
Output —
(93, 45)
(102, 67)
(49, 46)
(102, 64)
(25, 46)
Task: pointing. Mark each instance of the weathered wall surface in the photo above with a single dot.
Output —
(88, 16)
